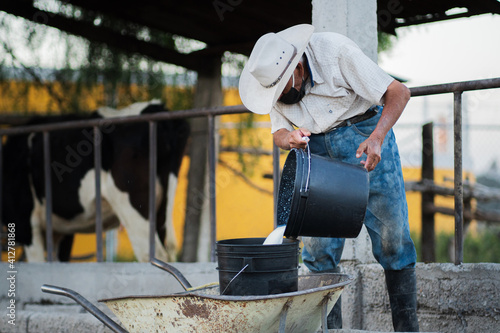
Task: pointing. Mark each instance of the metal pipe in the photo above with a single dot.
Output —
(428, 241)
(152, 187)
(91, 308)
(324, 316)
(167, 115)
(283, 314)
(48, 196)
(174, 271)
(221, 110)
(211, 182)
(98, 199)
(459, 195)
(455, 87)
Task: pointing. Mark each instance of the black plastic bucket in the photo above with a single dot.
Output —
(321, 197)
(272, 269)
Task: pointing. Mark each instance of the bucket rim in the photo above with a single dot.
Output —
(300, 192)
(290, 241)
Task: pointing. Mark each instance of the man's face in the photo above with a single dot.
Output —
(296, 81)
(288, 85)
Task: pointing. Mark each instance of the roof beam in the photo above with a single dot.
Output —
(435, 17)
(25, 9)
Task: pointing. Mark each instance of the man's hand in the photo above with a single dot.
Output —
(372, 147)
(396, 97)
(291, 139)
(299, 138)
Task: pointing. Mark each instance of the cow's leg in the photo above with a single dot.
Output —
(35, 252)
(137, 226)
(64, 247)
(171, 239)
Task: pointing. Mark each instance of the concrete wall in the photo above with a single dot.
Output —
(35, 311)
(450, 298)
(354, 19)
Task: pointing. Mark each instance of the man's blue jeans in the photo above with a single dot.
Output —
(387, 213)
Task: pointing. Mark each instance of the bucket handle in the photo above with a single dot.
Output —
(304, 190)
(234, 277)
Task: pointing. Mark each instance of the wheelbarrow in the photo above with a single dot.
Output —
(204, 309)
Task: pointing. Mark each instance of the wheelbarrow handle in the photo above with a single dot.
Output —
(174, 271)
(94, 310)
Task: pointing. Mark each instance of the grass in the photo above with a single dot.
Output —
(480, 247)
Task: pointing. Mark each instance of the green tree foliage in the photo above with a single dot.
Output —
(482, 246)
(81, 66)
(385, 42)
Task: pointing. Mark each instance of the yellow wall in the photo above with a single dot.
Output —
(28, 97)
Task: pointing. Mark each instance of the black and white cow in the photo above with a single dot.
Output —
(124, 181)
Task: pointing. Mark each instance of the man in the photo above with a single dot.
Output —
(321, 90)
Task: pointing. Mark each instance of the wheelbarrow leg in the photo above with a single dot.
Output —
(284, 311)
(324, 316)
(94, 310)
(324, 312)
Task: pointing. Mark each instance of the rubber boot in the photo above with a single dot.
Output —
(402, 288)
(334, 319)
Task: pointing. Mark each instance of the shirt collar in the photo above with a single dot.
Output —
(315, 77)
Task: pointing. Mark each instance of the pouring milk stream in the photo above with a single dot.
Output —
(275, 237)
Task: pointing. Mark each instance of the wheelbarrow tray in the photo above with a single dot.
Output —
(204, 310)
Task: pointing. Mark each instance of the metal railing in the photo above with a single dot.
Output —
(456, 88)
(96, 124)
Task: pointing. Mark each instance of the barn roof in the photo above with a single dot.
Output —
(223, 25)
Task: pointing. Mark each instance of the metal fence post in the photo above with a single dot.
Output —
(152, 186)
(48, 196)
(211, 188)
(98, 201)
(459, 194)
(428, 234)
(1, 186)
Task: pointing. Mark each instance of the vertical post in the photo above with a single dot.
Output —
(48, 196)
(276, 181)
(152, 187)
(428, 233)
(1, 186)
(98, 201)
(211, 189)
(459, 195)
(358, 21)
(354, 19)
(468, 214)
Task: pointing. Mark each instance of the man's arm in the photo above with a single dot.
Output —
(396, 97)
(287, 140)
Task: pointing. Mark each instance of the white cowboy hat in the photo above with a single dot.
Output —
(270, 66)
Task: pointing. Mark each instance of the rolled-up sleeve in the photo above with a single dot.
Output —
(278, 121)
(364, 76)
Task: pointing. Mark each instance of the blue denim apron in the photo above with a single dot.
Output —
(387, 213)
